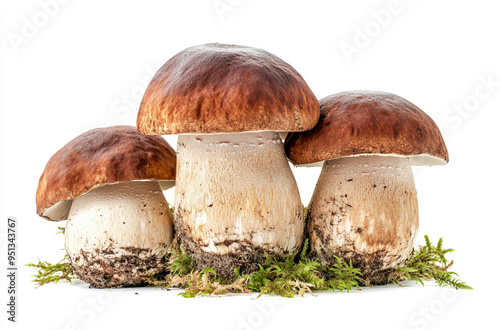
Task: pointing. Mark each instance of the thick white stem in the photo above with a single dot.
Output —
(365, 208)
(237, 190)
(110, 226)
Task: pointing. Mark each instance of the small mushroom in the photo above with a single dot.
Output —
(236, 197)
(364, 206)
(107, 184)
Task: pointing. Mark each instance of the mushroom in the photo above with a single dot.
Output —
(236, 197)
(364, 206)
(108, 184)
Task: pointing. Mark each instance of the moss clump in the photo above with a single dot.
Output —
(287, 277)
(429, 262)
(52, 273)
(298, 274)
(182, 273)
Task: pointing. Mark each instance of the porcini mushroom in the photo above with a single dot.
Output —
(236, 196)
(364, 206)
(106, 183)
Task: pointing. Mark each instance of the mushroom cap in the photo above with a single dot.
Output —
(218, 88)
(368, 123)
(101, 157)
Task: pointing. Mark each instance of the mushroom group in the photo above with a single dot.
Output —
(236, 198)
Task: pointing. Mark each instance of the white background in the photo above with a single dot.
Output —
(75, 65)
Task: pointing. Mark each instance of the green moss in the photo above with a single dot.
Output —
(52, 273)
(429, 262)
(298, 274)
(294, 275)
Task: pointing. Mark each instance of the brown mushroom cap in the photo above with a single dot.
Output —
(368, 123)
(218, 88)
(100, 157)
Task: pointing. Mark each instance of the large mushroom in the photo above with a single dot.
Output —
(364, 206)
(236, 197)
(108, 184)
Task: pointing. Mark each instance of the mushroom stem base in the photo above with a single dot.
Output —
(115, 268)
(246, 260)
(364, 209)
(118, 234)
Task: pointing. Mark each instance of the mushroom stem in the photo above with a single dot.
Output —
(118, 234)
(365, 208)
(236, 198)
